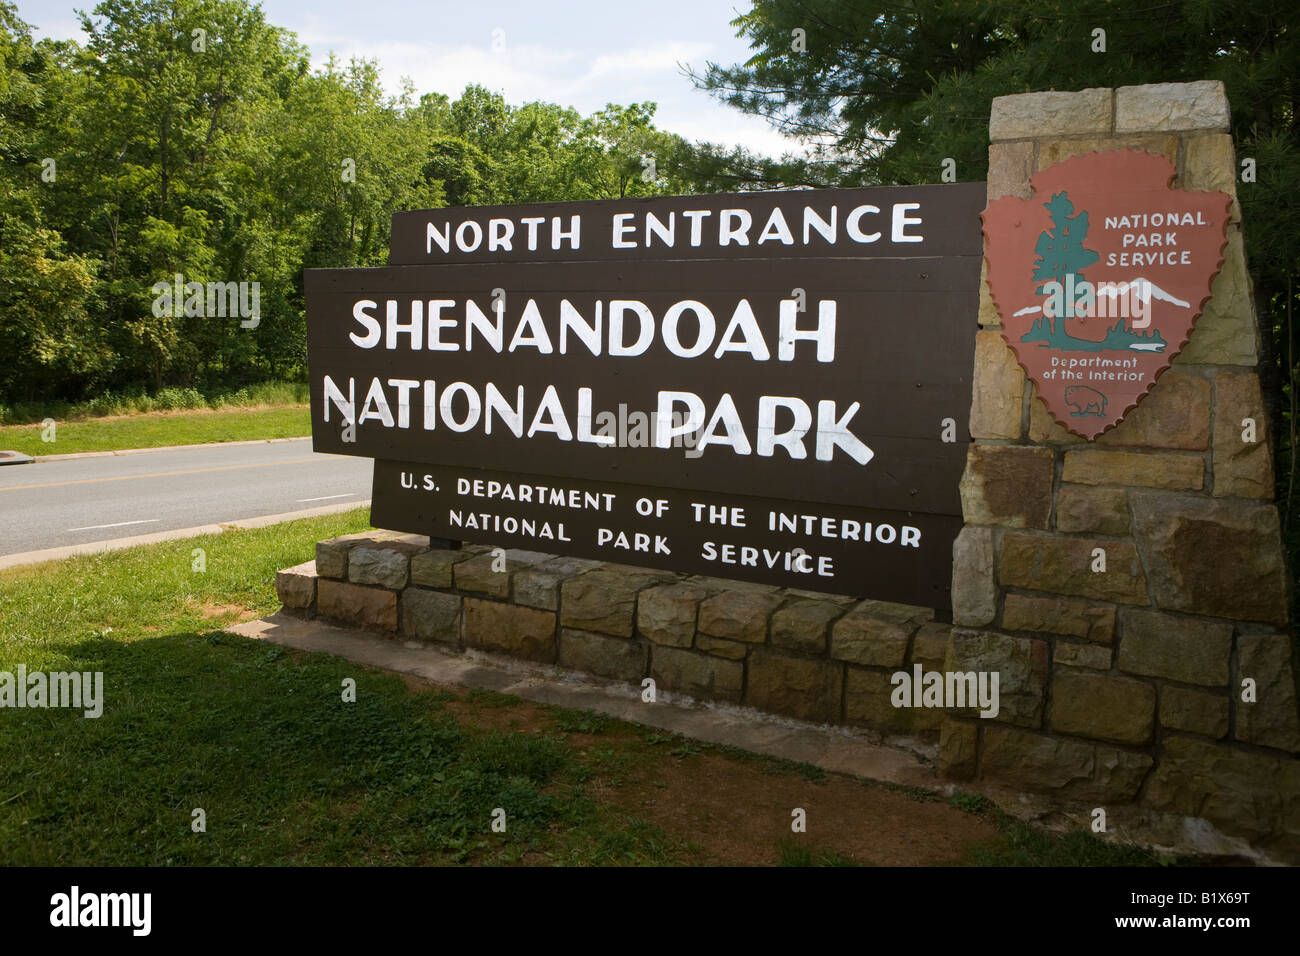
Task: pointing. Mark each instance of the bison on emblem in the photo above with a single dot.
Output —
(1085, 401)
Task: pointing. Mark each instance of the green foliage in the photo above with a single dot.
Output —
(238, 162)
(582, 721)
(137, 401)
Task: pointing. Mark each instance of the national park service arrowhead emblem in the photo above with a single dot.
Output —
(1099, 278)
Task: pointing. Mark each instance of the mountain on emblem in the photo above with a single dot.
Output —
(1100, 277)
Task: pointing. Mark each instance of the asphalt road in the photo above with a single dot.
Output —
(51, 504)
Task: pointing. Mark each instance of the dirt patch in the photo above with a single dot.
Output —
(737, 810)
(740, 813)
(486, 710)
(209, 610)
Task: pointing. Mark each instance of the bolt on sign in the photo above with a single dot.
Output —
(1100, 277)
(769, 386)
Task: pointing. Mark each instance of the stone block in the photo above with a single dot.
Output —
(988, 311)
(699, 675)
(432, 569)
(1218, 557)
(1036, 762)
(479, 575)
(999, 388)
(841, 599)
(1118, 775)
(1092, 656)
(801, 625)
(1007, 485)
(618, 657)
(930, 645)
(332, 555)
(569, 567)
(538, 585)
(1170, 470)
(1010, 166)
(385, 566)
(1174, 415)
(605, 599)
(796, 686)
(727, 584)
(296, 587)
(875, 633)
(1043, 428)
(1053, 151)
(1210, 165)
(1059, 615)
(1074, 769)
(1226, 333)
(1050, 113)
(1248, 795)
(666, 614)
(958, 749)
(1092, 509)
(1102, 706)
(1021, 666)
(1185, 649)
(1194, 711)
(869, 700)
(1159, 107)
(371, 608)
(1064, 566)
(1272, 720)
(732, 650)
(430, 616)
(738, 615)
(509, 629)
(332, 559)
(974, 592)
(1242, 469)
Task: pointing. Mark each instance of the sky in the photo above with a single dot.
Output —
(579, 53)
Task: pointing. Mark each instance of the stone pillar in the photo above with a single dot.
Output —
(1124, 688)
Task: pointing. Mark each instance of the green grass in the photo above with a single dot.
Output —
(287, 772)
(258, 737)
(159, 429)
(800, 854)
(1022, 845)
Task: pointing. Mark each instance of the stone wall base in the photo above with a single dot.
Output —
(831, 660)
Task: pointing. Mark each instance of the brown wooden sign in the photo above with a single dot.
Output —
(775, 541)
(1100, 277)
(811, 350)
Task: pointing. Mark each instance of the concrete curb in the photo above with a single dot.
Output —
(145, 451)
(116, 544)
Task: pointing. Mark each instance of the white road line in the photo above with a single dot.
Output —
(325, 497)
(119, 524)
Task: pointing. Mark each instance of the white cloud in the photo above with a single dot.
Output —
(530, 72)
(571, 67)
(656, 60)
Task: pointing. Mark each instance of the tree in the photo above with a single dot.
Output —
(1061, 256)
(193, 137)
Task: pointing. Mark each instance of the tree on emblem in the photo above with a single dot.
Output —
(1060, 255)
